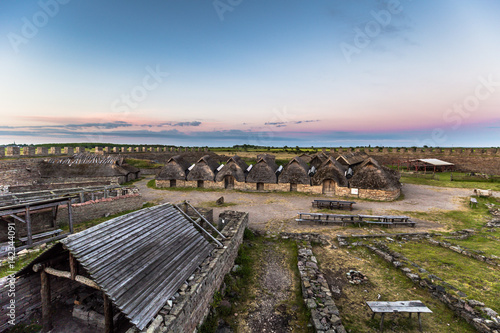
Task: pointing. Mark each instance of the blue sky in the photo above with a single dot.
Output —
(225, 72)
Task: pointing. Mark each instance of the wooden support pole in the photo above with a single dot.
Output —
(70, 217)
(73, 266)
(45, 294)
(28, 226)
(108, 314)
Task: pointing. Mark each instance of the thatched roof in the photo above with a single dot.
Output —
(330, 169)
(235, 167)
(295, 172)
(371, 175)
(85, 165)
(351, 159)
(204, 169)
(264, 171)
(317, 159)
(176, 168)
(306, 158)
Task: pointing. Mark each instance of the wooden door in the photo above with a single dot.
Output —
(293, 187)
(328, 186)
(229, 182)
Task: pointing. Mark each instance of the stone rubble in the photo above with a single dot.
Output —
(316, 293)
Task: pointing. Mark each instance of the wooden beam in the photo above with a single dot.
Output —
(108, 314)
(73, 266)
(28, 226)
(78, 278)
(45, 294)
(17, 218)
(70, 217)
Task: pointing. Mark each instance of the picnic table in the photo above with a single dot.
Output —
(333, 204)
(396, 307)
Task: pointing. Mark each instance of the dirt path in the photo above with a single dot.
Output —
(276, 212)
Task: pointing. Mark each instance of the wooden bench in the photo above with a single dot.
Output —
(333, 204)
(396, 307)
(42, 235)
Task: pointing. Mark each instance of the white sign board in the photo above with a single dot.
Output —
(354, 191)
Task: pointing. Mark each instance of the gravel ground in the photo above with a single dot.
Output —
(276, 212)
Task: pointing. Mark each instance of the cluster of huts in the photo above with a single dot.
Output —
(352, 174)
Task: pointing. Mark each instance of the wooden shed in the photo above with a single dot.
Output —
(135, 262)
(234, 170)
(295, 172)
(264, 171)
(175, 169)
(204, 170)
(371, 175)
(330, 174)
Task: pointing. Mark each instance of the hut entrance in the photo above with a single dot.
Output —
(260, 186)
(229, 182)
(328, 186)
(201, 184)
(173, 183)
(293, 187)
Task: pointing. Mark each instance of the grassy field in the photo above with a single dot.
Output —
(142, 164)
(476, 279)
(443, 180)
(385, 283)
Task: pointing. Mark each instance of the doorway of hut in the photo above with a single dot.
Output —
(229, 182)
(328, 186)
(293, 187)
(173, 183)
(201, 183)
(260, 186)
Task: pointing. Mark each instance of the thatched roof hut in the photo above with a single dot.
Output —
(306, 158)
(204, 169)
(175, 168)
(317, 159)
(264, 171)
(234, 167)
(295, 172)
(330, 169)
(87, 165)
(371, 175)
(352, 159)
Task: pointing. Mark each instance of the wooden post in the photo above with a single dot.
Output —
(382, 322)
(70, 217)
(108, 314)
(45, 293)
(73, 266)
(28, 226)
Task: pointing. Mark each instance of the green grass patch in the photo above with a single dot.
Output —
(213, 204)
(142, 164)
(443, 180)
(476, 279)
(19, 263)
(133, 181)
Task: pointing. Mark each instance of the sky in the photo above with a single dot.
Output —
(322, 73)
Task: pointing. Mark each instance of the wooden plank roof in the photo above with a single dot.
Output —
(140, 259)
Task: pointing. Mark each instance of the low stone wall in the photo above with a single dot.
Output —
(380, 195)
(316, 293)
(189, 310)
(474, 312)
(465, 252)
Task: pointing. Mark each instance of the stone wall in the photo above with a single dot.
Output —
(189, 310)
(317, 296)
(42, 220)
(22, 171)
(27, 297)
